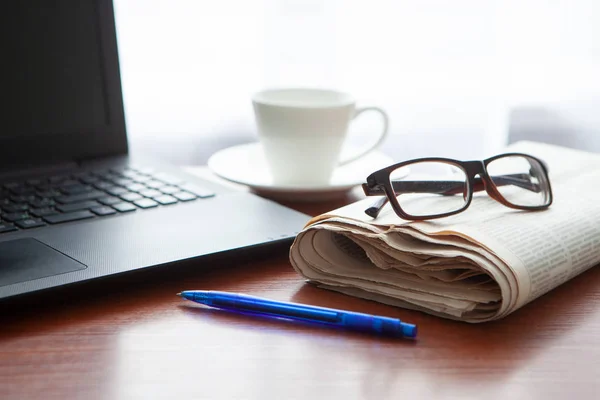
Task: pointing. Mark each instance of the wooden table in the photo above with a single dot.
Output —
(132, 338)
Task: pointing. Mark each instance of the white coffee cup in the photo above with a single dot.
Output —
(302, 132)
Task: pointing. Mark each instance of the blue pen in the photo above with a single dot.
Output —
(344, 319)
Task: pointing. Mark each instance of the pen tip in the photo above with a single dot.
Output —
(409, 330)
(179, 294)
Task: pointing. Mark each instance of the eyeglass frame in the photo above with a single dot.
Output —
(379, 183)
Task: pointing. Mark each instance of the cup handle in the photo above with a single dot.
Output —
(379, 140)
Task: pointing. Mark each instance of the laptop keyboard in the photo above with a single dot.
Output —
(90, 194)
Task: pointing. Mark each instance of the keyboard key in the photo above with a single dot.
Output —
(117, 191)
(198, 190)
(79, 175)
(128, 173)
(154, 184)
(84, 205)
(103, 210)
(76, 189)
(141, 178)
(48, 193)
(89, 179)
(30, 223)
(108, 176)
(136, 187)
(43, 186)
(143, 170)
(165, 199)
(100, 172)
(169, 189)
(41, 203)
(102, 185)
(118, 170)
(122, 181)
(131, 196)
(109, 200)
(6, 227)
(15, 207)
(76, 198)
(68, 217)
(16, 216)
(12, 185)
(150, 193)
(185, 196)
(22, 198)
(34, 182)
(58, 178)
(68, 183)
(124, 207)
(42, 212)
(23, 190)
(145, 203)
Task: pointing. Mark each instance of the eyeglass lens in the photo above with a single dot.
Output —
(520, 180)
(431, 188)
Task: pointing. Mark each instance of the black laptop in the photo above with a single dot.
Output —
(74, 205)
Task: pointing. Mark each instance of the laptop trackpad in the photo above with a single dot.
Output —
(22, 260)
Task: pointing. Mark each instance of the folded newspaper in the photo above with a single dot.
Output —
(476, 266)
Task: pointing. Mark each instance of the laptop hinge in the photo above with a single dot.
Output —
(44, 169)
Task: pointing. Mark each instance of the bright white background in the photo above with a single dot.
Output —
(450, 73)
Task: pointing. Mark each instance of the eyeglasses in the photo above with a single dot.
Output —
(428, 188)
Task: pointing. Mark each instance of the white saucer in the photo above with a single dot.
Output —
(245, 164)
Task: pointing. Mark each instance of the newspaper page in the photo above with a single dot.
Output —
(479, 265)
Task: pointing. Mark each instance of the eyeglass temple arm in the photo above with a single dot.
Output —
(520, 180)
(374, 209)
(443, 188)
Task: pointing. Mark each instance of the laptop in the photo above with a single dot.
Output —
(74, 205)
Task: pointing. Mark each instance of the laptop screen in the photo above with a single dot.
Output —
(61, 79)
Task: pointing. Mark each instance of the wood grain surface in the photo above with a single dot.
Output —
(132, 338)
